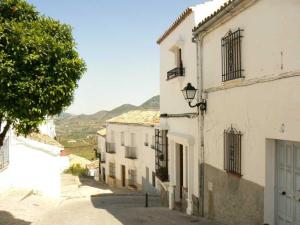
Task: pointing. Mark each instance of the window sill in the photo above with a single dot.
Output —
(233, 82)
(234, 174)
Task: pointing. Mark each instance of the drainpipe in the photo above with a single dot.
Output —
(198, 41)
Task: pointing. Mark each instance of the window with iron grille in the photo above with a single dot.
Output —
(232, 151)
(161, 154)
(4, 154)
(231, 55)
(112, 170)
(132, 178)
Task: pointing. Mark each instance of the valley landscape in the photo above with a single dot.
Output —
(77, 133)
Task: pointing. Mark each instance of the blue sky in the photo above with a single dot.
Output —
(117, 40)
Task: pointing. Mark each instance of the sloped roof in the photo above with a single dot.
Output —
(139, 117)
(45, 139)
(226, 5)
(175, 24)
(102, 132)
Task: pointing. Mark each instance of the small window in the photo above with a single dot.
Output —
(122, 139)
(153, 142)
(231, 55)
(112, 136)
(232, 151)
(4, 154)
(179, 69)
(132, 139)
(112, 170)
(153, 179)
(146, 140)
(132, 178)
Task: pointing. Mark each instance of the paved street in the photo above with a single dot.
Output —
(88, 203)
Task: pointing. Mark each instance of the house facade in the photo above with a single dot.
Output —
(249, 72)
(179, 123)
(128, 150)
(19, 170)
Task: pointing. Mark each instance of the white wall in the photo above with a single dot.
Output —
(145, 155)
(180, 130)
(32, 165)
(259, 110)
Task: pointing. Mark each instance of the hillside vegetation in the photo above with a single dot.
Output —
(78, 132)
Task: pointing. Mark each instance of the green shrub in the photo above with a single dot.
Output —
(77, 170)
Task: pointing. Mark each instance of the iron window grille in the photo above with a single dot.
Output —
(132, 178)
(112, 170)
(233, 151)
(231, 55)
(110, 148)
(161, 155)
(4, 154)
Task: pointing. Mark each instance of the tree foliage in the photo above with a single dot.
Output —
(39, 67)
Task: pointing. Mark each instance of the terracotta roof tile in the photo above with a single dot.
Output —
(137, 117)
(216, 12)
(45, 139)
(102, 132)
(175, 24)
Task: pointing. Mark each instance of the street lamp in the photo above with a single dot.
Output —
(189, 93)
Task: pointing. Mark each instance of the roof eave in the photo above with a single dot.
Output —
(175, 24)
(216, 16)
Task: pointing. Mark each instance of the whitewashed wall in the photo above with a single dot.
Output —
(181, 130)
(145, 154)
(258, 110)
(32, 165)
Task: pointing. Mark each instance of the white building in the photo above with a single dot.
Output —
(127, 145)
(32, 163)
(250, 75)
(178, 66)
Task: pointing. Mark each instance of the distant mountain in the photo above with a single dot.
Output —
(152, 103)
(69, 126)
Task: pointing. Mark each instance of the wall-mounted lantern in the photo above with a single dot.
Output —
(189, 93)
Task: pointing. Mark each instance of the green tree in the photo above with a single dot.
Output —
(39, 67)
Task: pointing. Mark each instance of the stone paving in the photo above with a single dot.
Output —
(86, 202)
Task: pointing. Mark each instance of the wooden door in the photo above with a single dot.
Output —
(288, 183)
(123, 175)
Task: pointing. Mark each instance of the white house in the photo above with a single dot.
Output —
(32, 163)
(249, 74)
(179, 124)
(128, 149)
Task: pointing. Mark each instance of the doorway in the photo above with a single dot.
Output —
(287, 183)
(123, 175)
(103, 175)
(179, 172)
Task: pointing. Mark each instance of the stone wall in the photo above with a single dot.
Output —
(231, 200)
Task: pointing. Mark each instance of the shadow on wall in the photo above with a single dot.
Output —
(7, 218)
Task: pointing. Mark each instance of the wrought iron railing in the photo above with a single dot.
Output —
(176, 72)
(161, 155)
(233, 151)
(130, 152)
(110, 148)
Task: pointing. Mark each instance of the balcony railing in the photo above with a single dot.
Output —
(102, 157)
(130, 152)
(176, 72)
(110, 148)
